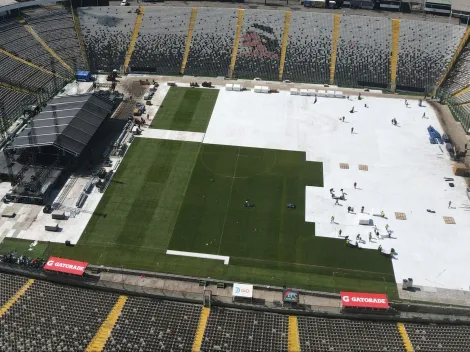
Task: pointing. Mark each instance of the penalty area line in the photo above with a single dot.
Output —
(224, 258)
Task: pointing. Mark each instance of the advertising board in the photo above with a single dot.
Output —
(65, 266)
(290, 296)
(364, 300)
(242, 290)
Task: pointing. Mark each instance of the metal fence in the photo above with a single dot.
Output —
(460, 114)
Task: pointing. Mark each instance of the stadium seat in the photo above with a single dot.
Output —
(55, 26)
(425, 50)
(14, 102)
(25, 76)
(433, 337)
(321, 334)
(50, 316)
(15, 39)
(10, 284)
(212, 42)
(54, 317)
(308, 51)
(107, 33)
(162, 39)
(260, 45)
(364, 50)
(154, 325)
(459, 77)
(239, 330)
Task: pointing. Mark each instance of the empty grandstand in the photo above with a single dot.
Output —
(37, 315)
(258, 332)
(161, 42)
(350, 51)
(12, 101)
(154, 325)
(425, 51)
(44, 48)
(31, 71)
(212, 42)
(319, 334)
(309, 48)
(107, 33)
(10, 285)
(54, 24)
(46, 316)
(455, 90)
(364, 47)
(259, 48)
(432, 337)
(18, 41)
(251, 40)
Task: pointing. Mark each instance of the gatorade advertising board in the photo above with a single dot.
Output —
(65, 266)
(364, 300)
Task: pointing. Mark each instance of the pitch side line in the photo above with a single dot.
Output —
(345, 270)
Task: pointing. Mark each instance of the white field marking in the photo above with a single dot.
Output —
(200, 255)
(172, 135)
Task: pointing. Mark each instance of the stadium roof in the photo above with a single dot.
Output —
(67, 122)
(461, 5)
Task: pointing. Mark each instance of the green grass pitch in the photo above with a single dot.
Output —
(213, 219)
(186, 109)
(189, 196)
(225, 177)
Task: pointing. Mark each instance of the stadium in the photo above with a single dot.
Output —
(234, 177)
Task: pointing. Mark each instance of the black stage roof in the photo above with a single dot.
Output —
(76, 120)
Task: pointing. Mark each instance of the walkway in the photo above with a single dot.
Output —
(187, 289)
(172, 135)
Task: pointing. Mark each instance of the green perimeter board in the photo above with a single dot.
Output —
(213, 219)
(140, 207)
(186, 109)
